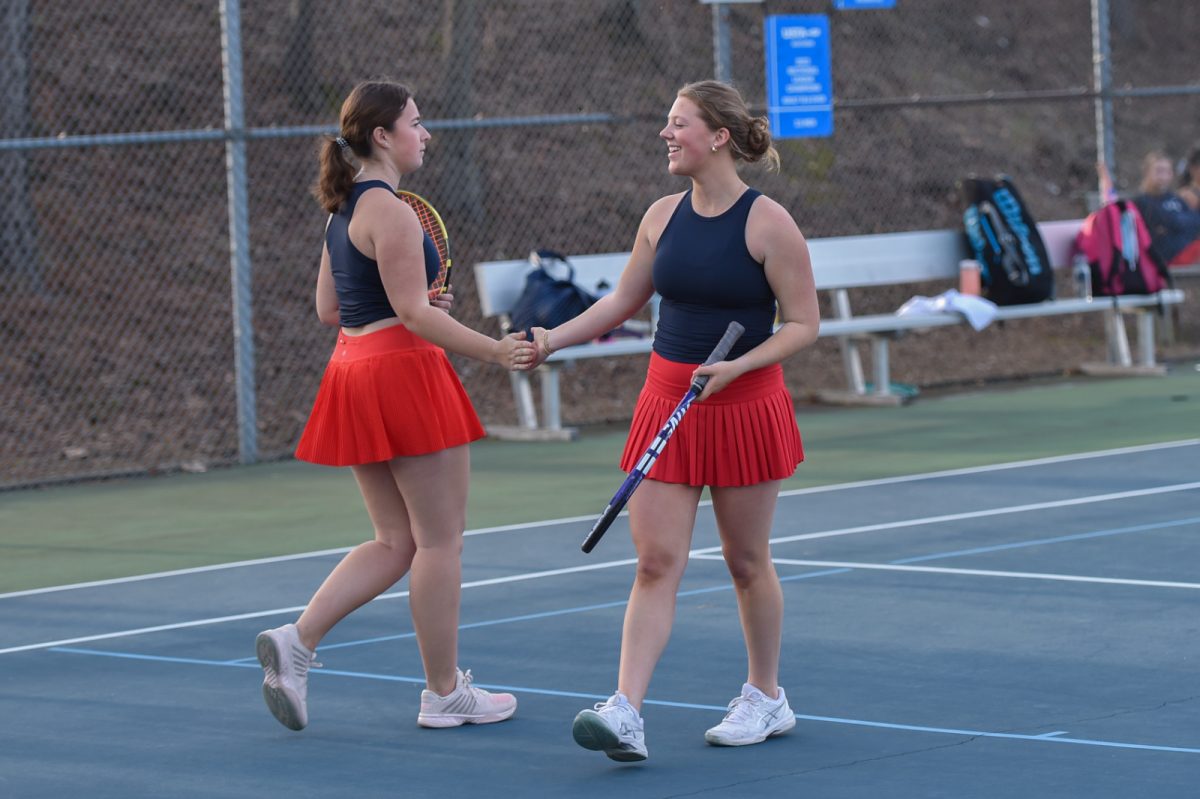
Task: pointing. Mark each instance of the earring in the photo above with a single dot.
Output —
(714, 149)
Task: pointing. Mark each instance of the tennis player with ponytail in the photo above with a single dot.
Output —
(392, 409)
(718, 253)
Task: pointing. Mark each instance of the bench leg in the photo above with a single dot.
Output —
(851, 360)
(551, 408)
(1118, 341)
(523, 399)
(882, 369)
(1120, 363)
(1145, 324)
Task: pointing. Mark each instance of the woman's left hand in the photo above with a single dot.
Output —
(445, 301)
(722, 374)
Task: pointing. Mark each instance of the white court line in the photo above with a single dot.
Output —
(974, 514)
(1189, 442)
(629, 561)
(1067, 578)
(277, 611)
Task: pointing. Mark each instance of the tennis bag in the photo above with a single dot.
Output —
(548, 301)
(1116, 243)
(1003, 237)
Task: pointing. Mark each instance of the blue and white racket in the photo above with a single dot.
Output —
(635, 477)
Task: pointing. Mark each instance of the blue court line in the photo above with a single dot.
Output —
(1049, 737)
(782, 579)
(1056, 540)
(543, 615)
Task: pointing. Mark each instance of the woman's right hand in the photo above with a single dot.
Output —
(514, 352)
(540, 342)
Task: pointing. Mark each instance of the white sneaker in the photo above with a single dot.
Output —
(466, 704)
(752, 718)
(285, 663)
(614, 728)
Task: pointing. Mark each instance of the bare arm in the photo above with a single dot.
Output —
(327, 302)
(772, 235)
(391, 233)
(633, 291)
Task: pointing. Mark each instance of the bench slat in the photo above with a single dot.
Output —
(840, 263)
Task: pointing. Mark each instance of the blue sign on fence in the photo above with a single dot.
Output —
(842, 5)
(799, 76)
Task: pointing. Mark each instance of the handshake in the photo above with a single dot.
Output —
(517, 353)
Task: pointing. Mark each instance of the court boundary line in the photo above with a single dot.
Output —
(694, 553)
(1047, 737)
(573, 519)
(895, 567)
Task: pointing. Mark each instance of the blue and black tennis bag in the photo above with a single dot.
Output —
(1003, 237)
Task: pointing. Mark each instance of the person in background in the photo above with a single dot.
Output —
(1174, 227)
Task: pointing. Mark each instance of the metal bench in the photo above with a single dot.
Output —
(839, 265)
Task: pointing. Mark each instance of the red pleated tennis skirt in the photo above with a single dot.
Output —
(743, 435)
(385, 394)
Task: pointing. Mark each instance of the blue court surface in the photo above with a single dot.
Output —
(1020, 630)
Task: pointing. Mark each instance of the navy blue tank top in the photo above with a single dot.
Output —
(707, 278)
(360, 293)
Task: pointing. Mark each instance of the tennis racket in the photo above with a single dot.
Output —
(642, 468)
(431, 223)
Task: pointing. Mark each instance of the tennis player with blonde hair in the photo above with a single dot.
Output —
(717, 253)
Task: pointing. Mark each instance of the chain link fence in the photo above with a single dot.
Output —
(128, 131)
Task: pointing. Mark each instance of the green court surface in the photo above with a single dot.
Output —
(118, 528)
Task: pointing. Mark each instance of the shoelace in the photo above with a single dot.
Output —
(624, 712)
(466, 675)
(740, 708)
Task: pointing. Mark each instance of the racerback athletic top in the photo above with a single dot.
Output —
(360, 293)
(707, 279)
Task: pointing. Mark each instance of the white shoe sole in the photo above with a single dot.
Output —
(442, 720)
(284, 706)
(716, 739)
(590, 732)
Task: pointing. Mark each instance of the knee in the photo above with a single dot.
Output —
(394, 544)
(653, 567)
(747, 567)
(443, 545)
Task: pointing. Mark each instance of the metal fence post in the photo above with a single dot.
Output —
(721, 58)
(1102, 79)
(239, 229)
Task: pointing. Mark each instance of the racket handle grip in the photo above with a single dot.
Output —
(601, 526)
(732, 334)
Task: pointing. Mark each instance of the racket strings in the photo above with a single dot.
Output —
(432, 226)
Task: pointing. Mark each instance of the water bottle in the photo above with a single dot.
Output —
(1081, 271)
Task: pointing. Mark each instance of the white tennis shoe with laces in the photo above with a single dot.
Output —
(466, 704)
(285, 663)
(752, 718)
(614, 728)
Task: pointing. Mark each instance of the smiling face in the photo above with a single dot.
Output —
(689, 139)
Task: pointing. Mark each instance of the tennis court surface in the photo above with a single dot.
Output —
(1017, 629)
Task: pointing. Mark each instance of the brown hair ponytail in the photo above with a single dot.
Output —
(370, 105)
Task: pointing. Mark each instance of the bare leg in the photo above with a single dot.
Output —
(418, 507)
(661, 517)
(744, 515)
(435, 490)
(370, 568)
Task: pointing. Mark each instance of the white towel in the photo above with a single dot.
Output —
(978, 312)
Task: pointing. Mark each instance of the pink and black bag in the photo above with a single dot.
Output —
(1116, 243)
